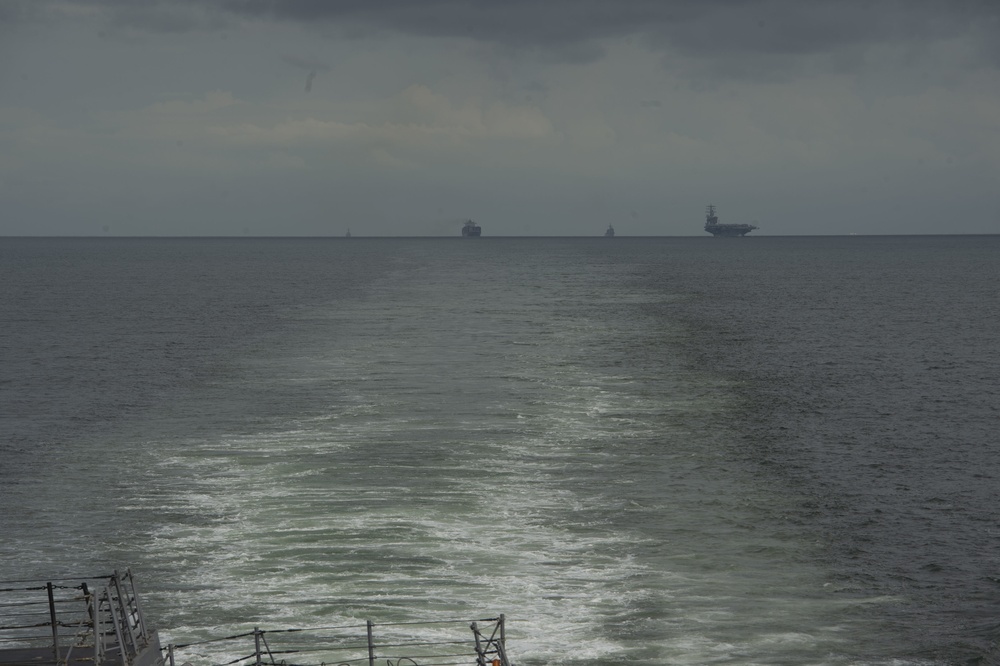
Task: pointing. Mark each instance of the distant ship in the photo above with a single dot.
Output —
(610, 233)
(471, 229)
(348, 235)
(713, 227)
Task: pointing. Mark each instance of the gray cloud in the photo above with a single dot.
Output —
(568, 30)
(161, 19)
(706, 28)
(308, 64)
(145, 112)
(313, 65)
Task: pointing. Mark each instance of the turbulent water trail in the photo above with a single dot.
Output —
(538, 449)
(295, 434)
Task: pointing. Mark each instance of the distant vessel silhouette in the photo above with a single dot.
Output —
(610, 233)
(713, 227)
(471, 229)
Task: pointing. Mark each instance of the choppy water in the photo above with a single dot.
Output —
(649, 451)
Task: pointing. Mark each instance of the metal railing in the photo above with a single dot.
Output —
(98, 620)
(431, 643)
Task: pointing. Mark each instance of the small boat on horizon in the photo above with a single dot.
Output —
(610, 233)
(471, 230)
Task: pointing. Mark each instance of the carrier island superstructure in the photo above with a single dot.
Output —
(713, 227)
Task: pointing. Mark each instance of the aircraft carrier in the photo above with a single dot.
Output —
(713, 227)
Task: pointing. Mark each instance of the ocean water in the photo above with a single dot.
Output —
(642, 451)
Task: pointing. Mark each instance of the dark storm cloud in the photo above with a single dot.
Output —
(707, 28)
(15, 12)
(569, 28)
(158, 18)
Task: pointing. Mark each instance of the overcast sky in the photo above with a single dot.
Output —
(534, 117)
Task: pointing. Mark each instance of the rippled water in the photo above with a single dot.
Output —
(767, 450)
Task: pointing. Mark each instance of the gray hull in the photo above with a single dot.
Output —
(729, 229)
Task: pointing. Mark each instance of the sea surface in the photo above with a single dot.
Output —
(756, 450)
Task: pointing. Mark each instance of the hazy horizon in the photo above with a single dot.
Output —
(553, 118)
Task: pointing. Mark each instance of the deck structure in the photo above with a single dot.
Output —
(97, 621)
(90, 621)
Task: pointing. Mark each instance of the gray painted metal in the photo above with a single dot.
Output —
(32, 613)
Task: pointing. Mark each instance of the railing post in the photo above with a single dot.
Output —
(170, 654)
(480, 657)
(256, 644)
(134, 600)
(91, 601)
(52, 619)
(502, 654)
(116, 622)
(371, 643)
(99, 646)
(128, 630)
